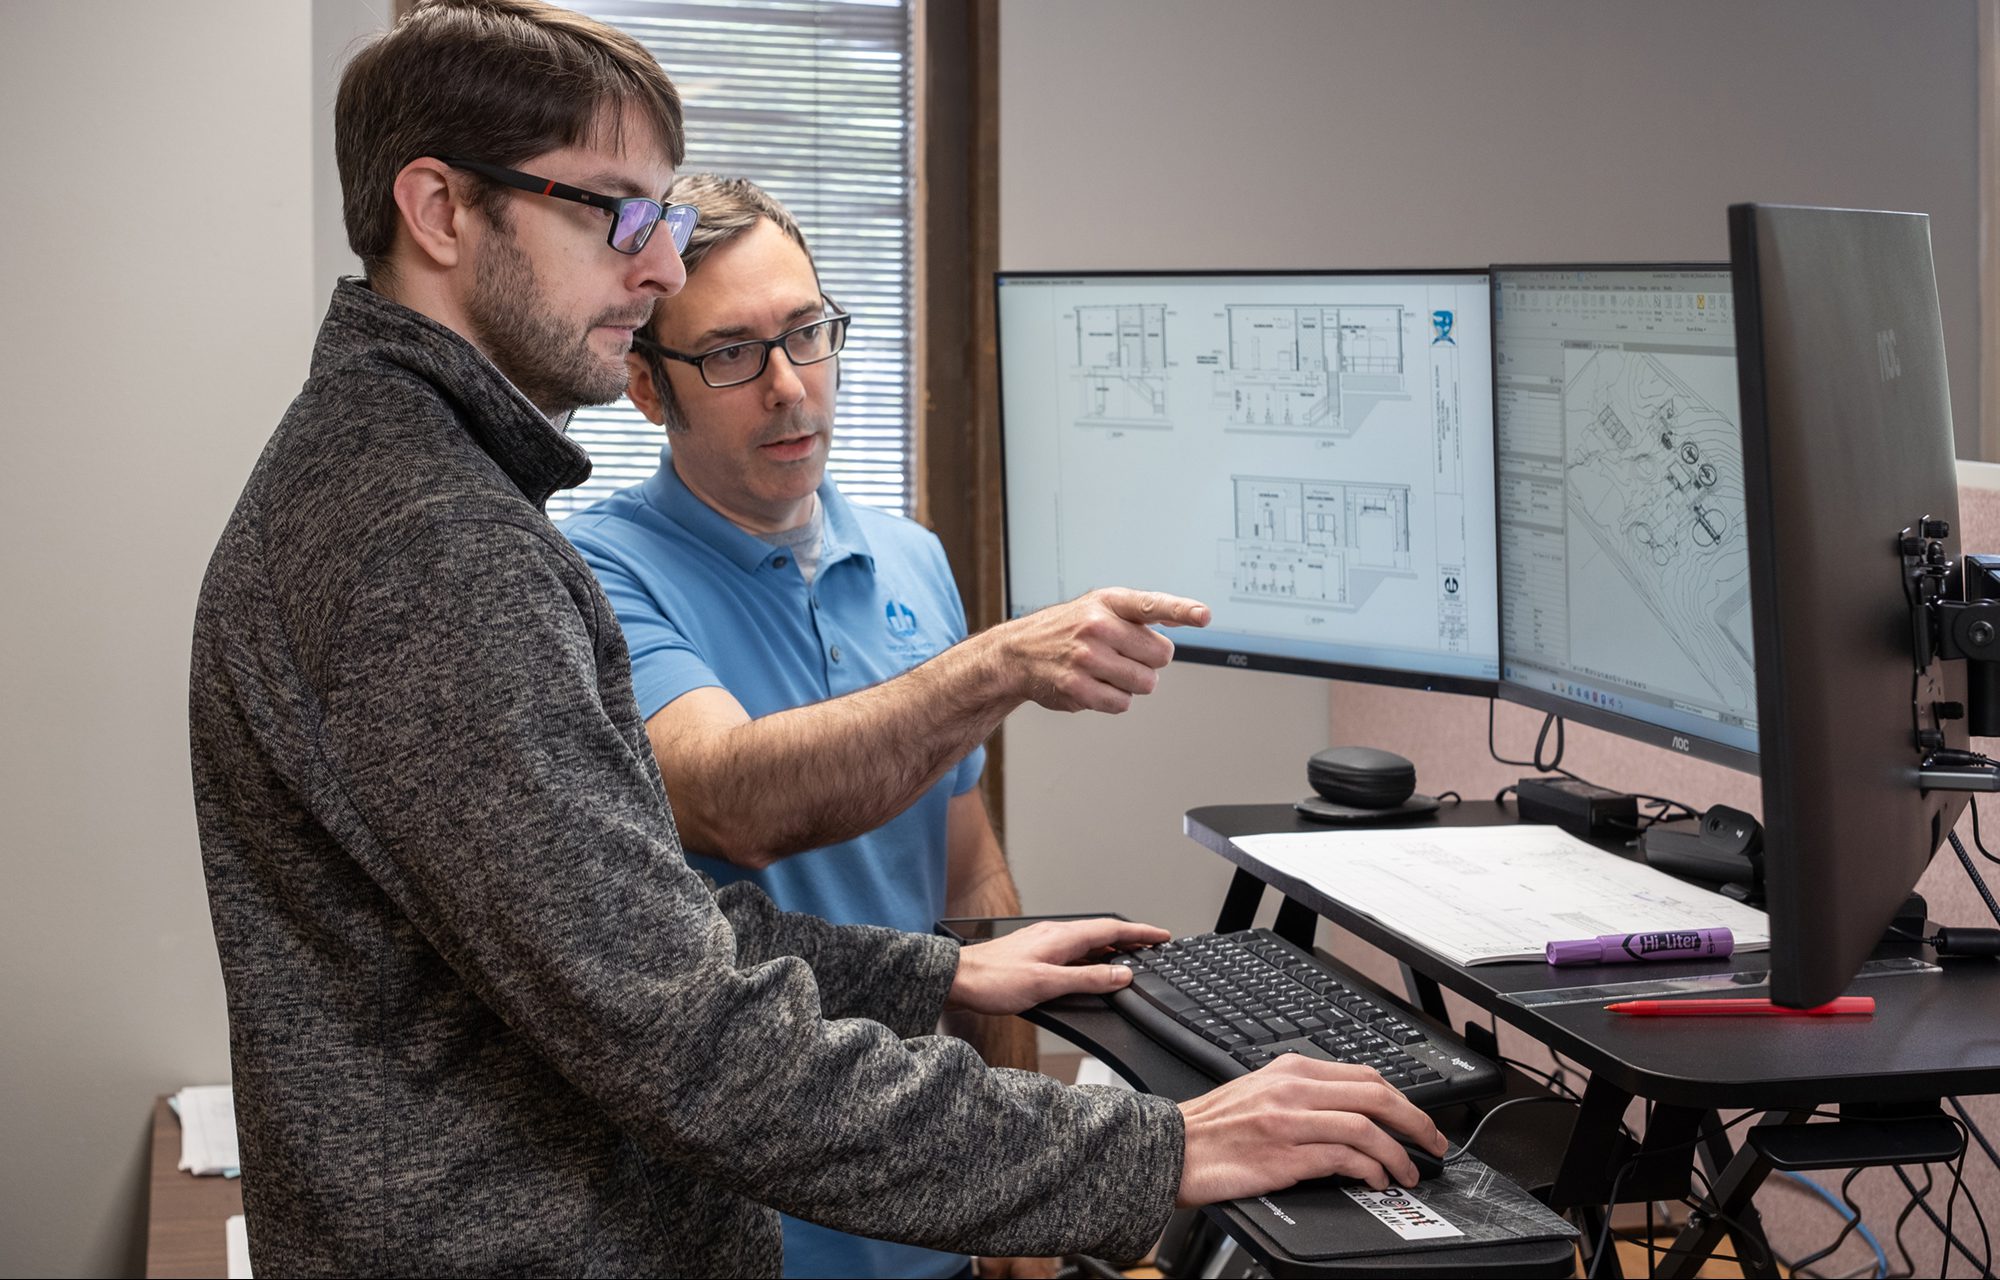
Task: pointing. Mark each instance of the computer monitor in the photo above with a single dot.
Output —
(1847, 440)
(1310, 453)
(1624, 575)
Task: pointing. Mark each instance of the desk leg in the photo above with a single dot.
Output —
(1239, 908)
(1296, 924)
(1427, 995)
(1731, 1197)
(1604, 1166)
(1597, 1147)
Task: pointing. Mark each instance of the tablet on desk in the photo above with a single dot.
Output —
(970, 929)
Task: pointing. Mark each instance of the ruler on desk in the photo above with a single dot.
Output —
(1749, 982)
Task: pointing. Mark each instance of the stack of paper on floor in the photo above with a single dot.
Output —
(208, 1129)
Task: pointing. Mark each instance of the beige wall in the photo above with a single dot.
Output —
(161, 277)
(1433, 133)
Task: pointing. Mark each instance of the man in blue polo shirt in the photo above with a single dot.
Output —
(801, 661)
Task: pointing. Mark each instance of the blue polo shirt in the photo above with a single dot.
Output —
(705, 605)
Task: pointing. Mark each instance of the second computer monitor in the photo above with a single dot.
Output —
(1310, 454)
(1625, 589)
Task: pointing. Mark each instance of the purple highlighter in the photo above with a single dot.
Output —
(1624, 948)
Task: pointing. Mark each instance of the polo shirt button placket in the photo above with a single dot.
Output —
(834, 653)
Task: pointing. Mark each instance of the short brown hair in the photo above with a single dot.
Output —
(495, 80)
(729, 207)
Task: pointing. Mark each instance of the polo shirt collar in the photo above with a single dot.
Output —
(670, 496)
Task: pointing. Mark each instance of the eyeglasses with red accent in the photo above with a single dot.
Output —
(633, 218)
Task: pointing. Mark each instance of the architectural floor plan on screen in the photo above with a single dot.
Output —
(1121, 360)
(1317, 543)
(1309, 368)
(1654, 476)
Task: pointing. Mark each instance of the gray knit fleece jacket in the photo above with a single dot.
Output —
(484, 1019)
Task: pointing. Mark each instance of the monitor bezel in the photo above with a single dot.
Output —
(1187, 642)
(1681, 743)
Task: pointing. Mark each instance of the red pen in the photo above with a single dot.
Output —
(1740, 1008)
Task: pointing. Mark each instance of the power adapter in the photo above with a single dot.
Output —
(1594, 813)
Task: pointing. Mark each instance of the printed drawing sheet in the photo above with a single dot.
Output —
(1475, 895)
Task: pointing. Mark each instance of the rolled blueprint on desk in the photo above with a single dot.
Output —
(1479, 895)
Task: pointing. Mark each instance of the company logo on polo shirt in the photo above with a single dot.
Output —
(902, 623)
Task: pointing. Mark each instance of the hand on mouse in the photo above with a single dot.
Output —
(1295, 1119)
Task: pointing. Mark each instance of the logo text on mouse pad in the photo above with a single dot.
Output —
(1403, 1213)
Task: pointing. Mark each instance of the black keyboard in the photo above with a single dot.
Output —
(1230, 1002)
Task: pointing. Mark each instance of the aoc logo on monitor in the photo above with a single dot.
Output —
(1441, 323)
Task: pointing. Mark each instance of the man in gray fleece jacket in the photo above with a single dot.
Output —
(484, 1018)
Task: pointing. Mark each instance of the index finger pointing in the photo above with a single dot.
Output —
(1157, 608)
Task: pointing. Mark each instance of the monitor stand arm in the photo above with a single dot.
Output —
(1954, 617)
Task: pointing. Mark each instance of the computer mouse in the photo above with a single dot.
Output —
(1428, 1166)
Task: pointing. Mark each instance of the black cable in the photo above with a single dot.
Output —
(1879, 1266)
(1536, 1073)
(1554, 765)
(1951, 1203)
(1566, 1066)
(1766, 1256)
(1985, 1239)
(1978, 881)
(1651, 1234)
(1846, 1228)
(1465, 1148)
(1617, 1181)
(1975, 1131)
(1555, 761)
(1604, 1233)
(1916, 1198)
(1494, 751)
(1652, 1247)
(1978, 843)
(1452, 796)
(1919, 1202)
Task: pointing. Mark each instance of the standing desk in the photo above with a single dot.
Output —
(1933, 1035)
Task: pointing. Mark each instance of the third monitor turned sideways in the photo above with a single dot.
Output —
(1567, 486)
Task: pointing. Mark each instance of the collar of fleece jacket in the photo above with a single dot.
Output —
(363, 325)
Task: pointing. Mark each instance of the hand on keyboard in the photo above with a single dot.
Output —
(1295, 1119)
(1228, 1003)
(1040, 962)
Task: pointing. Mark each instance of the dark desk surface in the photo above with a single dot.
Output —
(1932, 1034)
(184, 1231)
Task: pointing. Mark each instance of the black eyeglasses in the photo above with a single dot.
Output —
(632, 217)
(742, 362)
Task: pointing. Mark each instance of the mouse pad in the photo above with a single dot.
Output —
(1469, 1205)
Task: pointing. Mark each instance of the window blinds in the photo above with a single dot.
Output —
(812, 101)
